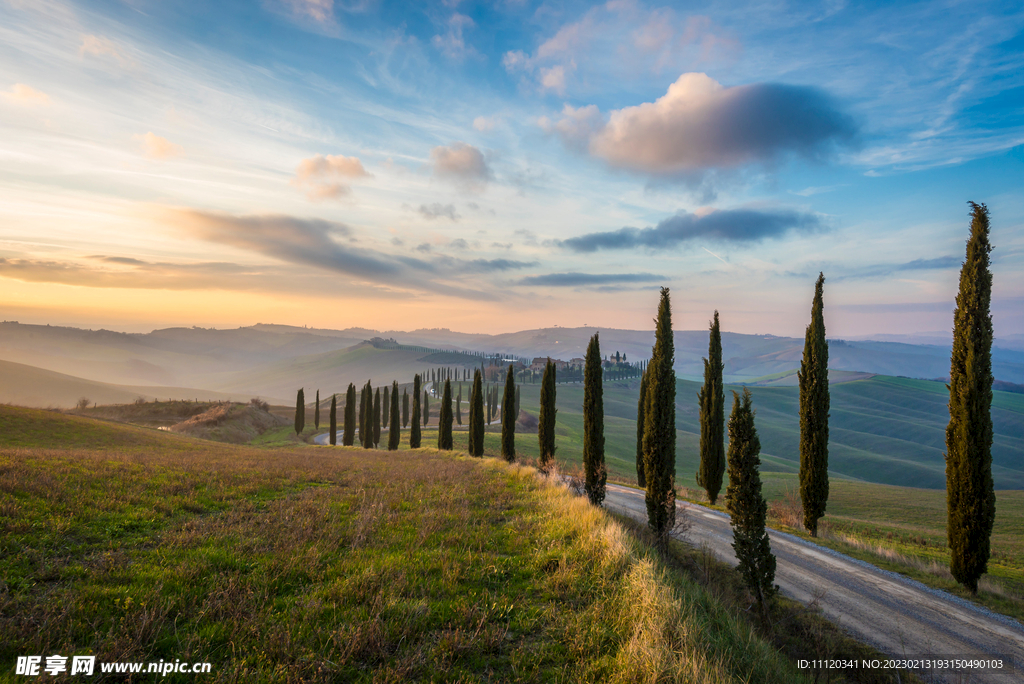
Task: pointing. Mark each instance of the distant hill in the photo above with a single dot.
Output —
(29, 386)
(222, 359)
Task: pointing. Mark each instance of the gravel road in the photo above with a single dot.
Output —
(898, 616)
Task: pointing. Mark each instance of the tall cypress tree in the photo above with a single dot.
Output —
(458, 406)
(376, 418)
(349, 437)
(414, 433)
(405, 408)
(476, 416)
(970, 491)
(712, 418)
(300, 411)
(660, 426)
(546, 421)
(385, 408)
(641, 404)
(426, 409)
(518, 398)
(366, 426)
(395, 431)
(814, 406)
(508, 422)
(747, 507)
(334, 420)
(316, 414)
(593, 424)
(444, 423)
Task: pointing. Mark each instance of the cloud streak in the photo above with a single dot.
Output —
(573, 279)
(727, 225)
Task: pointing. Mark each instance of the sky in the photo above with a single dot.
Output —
(507, 165)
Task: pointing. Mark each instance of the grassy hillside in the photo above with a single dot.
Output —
(30, 386)
(320, 564)
(882, 429)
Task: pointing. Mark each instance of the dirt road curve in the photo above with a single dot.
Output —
(900, 617)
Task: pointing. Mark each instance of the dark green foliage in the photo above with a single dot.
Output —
(334, 420)
(362, 416)
(970, 493)
(814, 407)
(747, 507)
(476, 416)
(660, 426)
(458, 406)
(508, 421)
(426, 409)
(593, 424)
(518, 398)
(445, 419)
(641, 404)
(405, 408)
(316, 413)
(300, 411)
(546, 421)
(366, 425)
(376, 418)
(349, 436)
(490, 415)
(414, 433)
(395, 431)
(711, 399)
(385, 408)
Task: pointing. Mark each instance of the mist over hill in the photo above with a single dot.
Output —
(224, 359)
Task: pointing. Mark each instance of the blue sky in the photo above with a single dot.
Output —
(508, 165)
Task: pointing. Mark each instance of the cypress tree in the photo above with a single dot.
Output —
(814, 406)
(747, 507)
(385, 408)
(660, 426)
(593, 424)
(395, 431)
(712, 418)
(316, 414)
(426, 409)
(444, 424)
(970, 491)
(641, 404)
(458, 406)
(300, 411)
(362, 416)
(508, 423)
(405, 408)
(518, 398)
(349, 437)
(366, 426)
(546, 421)
(489, 405)
(476, 416)
(376, 418)
(334, 420)
(414, 434)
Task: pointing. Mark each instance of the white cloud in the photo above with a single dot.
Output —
(327, 177)
(462, 163)
(155, 147)
(98, 46)
(485, 123)
(320, 11)
(26, 96)
(453, 44)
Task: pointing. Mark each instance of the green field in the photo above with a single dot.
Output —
(882, 429)
(335, 564)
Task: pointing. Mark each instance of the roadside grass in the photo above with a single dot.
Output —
(344, 564)
(799, 631)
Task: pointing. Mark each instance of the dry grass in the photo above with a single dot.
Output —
(344, 565)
